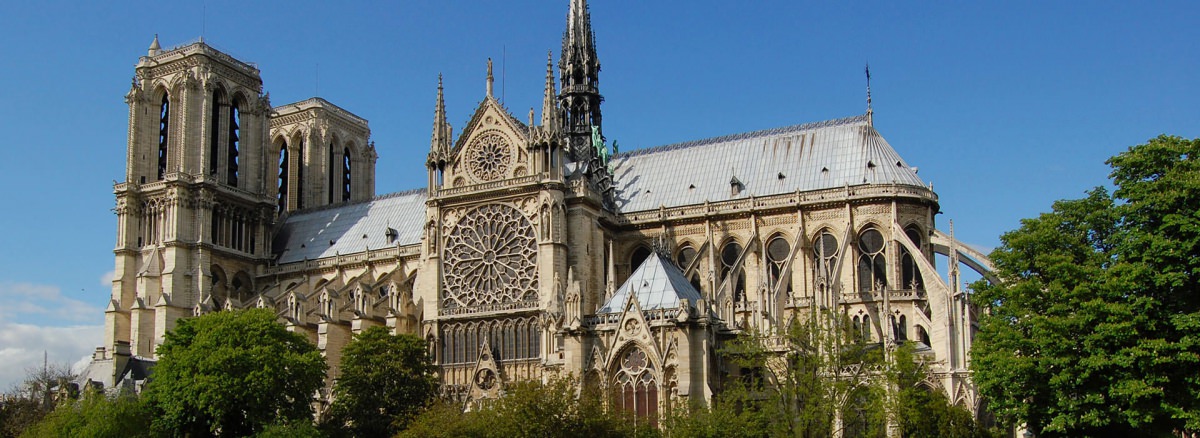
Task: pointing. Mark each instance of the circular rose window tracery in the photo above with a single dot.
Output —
(489, 156)
(490, 258)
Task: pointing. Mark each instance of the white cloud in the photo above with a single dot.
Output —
(107, 279)
(22, 347)
(45, 304)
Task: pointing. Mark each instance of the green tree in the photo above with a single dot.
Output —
(385, 381)
(1095, 329)
(27, 402)
(529, 409)
(232, 374)
(95, 415)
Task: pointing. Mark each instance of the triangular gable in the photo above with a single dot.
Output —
(656, 284)
(490, 106)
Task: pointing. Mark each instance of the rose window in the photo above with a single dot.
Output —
(489, 156)
(490, 258)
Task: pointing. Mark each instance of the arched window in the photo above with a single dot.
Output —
(472, 341)
(164, 129)
(729, 259)
(872, 265)
(825, 254)
(867, 330)
(510, 338)
(330, 165)
(299, 170)
(636, 387)
(902, 329)
(686, 256)
(522, 340)
(778, 251)
(220, 287)
(284, 167)
(346, 175)
(214, 137)
(856, 324)
(639, 256)
(923, 335)
(911, 274)
(231, 159)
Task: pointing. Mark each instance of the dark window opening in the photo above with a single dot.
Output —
(283, 178)
(214, 137)
(235, 116)
(639, 256)
(164, 127)
(778, 251)
(910, 271)
(329, 170)
(346, 175)
(872, 265)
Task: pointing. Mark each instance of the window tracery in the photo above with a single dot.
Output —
(729, 260)
(489, 156)
(910, 273)
(778, 251)
(636, 387)
(872, 265)
(510, 339)
(490, 259)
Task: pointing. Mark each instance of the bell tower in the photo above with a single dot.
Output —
(194, 209)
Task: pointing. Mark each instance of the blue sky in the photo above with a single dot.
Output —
(1004, 107)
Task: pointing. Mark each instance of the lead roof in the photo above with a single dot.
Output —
(813, 156)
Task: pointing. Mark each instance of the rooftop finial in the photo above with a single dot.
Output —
(870, 111)
(490, 79)
(550, 96)
(154, 47)
(441, 134)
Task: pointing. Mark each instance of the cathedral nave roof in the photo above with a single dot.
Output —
(813, 156)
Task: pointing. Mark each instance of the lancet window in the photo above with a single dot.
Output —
(685, 258)
(778, 251)
(233, 227)
(164, 129)
(330, 166)
(732, 275)
(509, 338)
(214, 137)
(635, 385)
(638, 257)
(825, 254)
(909, 271)
(346, 175)
(232, 144)
(153, 225)
(872, 265)
(283, 178)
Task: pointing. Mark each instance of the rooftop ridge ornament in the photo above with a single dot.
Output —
(490, 79)
(870, 111)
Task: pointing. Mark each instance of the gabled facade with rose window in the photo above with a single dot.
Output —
(531, 252)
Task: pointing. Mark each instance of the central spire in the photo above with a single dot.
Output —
(579, 72)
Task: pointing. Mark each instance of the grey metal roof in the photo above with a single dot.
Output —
(351, 228)
(812, 156)
(657, 284)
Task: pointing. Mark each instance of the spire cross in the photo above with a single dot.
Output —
(870, 111)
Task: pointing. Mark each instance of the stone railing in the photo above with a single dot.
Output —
(785, 200)
(493, 185)
(486, 308)
(370, 255)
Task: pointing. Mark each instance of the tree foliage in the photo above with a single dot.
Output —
(27, 402)
(95, 415)
(822, 371)
(232, 374)
(385, 381)
(1095, 329)
(529, 409)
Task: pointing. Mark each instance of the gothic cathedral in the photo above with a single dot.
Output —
(533, 251)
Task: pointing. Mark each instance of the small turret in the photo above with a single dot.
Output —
(155, 49)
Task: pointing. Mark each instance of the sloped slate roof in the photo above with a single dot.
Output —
(812, 156)
(351, 228)
(657, 284)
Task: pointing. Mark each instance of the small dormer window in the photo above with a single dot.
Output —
(391, 235)
(735, 187)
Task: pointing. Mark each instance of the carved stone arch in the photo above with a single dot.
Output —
(219, 290)
(635, 377)
(241, 288)
(638, 255)
(824, 226)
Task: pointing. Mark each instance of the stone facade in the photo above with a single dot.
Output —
(518, 260)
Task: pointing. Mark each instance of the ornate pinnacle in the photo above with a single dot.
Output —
(549, 98)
